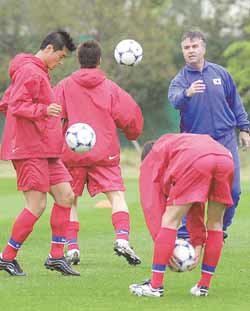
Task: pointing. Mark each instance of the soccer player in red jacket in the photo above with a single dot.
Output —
(179, 174)
(87, 96)
(32, 140)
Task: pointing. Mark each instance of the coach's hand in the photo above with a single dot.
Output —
(197, 86)
(244, 140)
(54, 110)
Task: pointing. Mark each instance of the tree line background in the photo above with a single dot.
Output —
(157, 24)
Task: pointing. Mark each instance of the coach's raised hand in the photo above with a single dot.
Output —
(197, 86)
(54, 110)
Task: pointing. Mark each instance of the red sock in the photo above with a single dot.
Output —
(163, 250)
(21, 229)
(121, 223)
(72, 234)
(59, 221)
(212, 253)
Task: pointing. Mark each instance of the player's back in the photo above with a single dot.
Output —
(87, 96)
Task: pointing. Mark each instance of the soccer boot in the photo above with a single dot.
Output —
(122, 248)
(225, 236)
(12, 267)
(146, 289)
(73, 256)
(60, 265)
(199, 290)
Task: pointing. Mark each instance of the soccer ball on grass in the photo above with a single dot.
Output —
(184, 255)
(80, 137)
(128, 52)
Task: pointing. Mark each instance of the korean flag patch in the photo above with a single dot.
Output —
(217, 81)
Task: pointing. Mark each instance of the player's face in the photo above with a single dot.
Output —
(55, 58)
(193, 51)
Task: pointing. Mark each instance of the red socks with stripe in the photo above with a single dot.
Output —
(72, 235)
(163, 250)
(59, 221)
(212, 253)
(121, 223)
(21, 229)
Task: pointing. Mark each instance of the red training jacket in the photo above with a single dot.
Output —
(87, 96)
(29, 132)
(172, 155)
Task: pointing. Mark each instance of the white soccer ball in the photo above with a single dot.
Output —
(80, 137)
(128, 52)
(184, 254)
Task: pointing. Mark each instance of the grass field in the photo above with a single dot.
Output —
(104, 280)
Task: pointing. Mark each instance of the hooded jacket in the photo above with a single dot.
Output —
(29, 132)
(87, 96)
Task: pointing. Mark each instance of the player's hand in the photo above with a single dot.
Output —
(173, 265)
(197, 86)
(54, 110)
(198, 251)
(244, 140)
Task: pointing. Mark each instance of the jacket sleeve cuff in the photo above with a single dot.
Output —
(185, 95)
(245, 129)
(44, 111)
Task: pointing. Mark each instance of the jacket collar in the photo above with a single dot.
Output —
(190, 68)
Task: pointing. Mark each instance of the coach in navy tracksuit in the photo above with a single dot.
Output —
(209, 103)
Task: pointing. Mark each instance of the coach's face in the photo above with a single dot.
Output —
(193, 51)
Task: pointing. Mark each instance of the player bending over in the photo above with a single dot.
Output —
(180, 171)
(87, 96)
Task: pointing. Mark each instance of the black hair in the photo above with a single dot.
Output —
(58, 39)
(89, 54)
(147, 148)
(193, 35)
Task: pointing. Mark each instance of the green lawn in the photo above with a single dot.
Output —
(104, 280)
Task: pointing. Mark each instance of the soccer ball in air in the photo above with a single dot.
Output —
(80, 137)
(128, 52)
(184, 254)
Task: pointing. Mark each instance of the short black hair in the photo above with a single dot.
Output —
(58, 39)
(193, 35)
(147, 148)
(89, 54)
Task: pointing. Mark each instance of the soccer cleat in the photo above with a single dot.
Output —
(60, 265)
(225, 236)
(146, 289)
(73, 256)
(122, 248)
(12, 267)
(199, 290)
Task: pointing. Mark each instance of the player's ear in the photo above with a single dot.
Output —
(49, 48)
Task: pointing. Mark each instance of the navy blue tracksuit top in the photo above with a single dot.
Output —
(217, 111)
